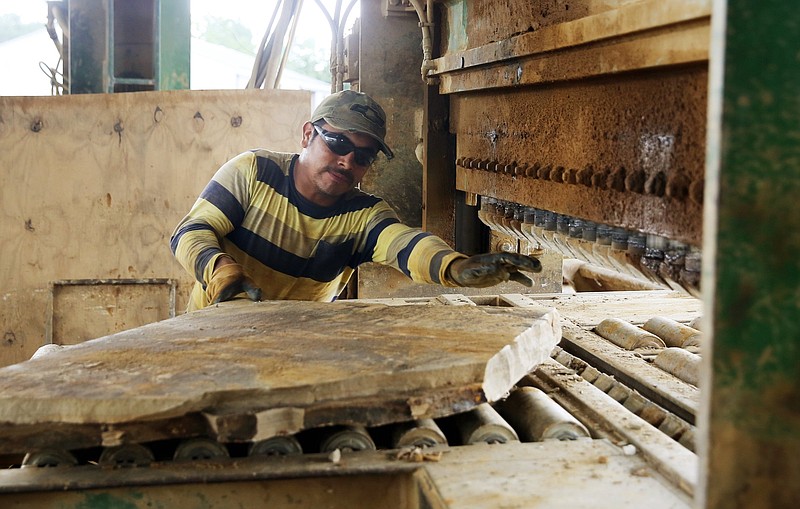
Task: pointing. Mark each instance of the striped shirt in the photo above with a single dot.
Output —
(291, 247)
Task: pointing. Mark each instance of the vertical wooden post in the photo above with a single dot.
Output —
(439, 175)
(750, 419)
(439, 154)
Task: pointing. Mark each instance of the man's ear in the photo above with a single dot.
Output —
(308, 132)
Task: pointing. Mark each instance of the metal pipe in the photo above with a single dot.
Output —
(196, 449)
(126, 456)
(536, 417)
(484, 424)
(674, 334)
(426, 24)
(347, 439)
(275, 446)
(626, 335)
(681, 363)
(419, 433)
(49, 458)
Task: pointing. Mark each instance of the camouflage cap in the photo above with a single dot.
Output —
(356, 112)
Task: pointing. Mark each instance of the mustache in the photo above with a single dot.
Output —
(345, 174)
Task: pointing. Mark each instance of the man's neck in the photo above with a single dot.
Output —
(306, 188)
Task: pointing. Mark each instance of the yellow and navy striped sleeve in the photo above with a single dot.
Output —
(291, 247)
(419, 255)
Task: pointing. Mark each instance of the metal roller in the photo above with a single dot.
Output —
(46, 458)
(126, 456)
(275, 446)
(484, 424)
(420, 433)
(347, 439)
(626, 335)
(673, 333)
(536, 417)
(687, 439)
(198, 449)
(673, 426)
(681, 363)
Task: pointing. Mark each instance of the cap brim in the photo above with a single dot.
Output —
(384, 147)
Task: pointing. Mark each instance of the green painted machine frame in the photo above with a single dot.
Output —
(750, 451)
(94, 65)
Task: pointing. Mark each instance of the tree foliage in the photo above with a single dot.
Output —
(229, 33)
(11, 27)
(309, 58)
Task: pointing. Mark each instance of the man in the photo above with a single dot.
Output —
(294, 226)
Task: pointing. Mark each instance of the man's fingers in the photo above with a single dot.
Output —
(520, 278)
(253, 292)
(228, 292)
(522, 262)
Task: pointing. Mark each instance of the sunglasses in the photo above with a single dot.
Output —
(341, 145)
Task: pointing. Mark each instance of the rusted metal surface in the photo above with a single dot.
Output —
(654, 49)
(594, 110)
(476, 23)
(627, 152)
(576, 27)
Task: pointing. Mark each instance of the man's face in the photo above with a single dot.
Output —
(322, 175)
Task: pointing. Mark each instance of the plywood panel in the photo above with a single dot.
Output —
(260, 369)
(88, 309)
(91, 186)
(553, 474)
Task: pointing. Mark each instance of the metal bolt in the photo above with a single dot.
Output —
(634, 181)
(600, 178)
(586, 175)
(656, 184)
(616, 179)
(696, 191)
(571, 176)
(677, 186)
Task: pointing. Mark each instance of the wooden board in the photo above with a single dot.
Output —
(91, 187)
(552, 474)
(590, 308)
(253, 370)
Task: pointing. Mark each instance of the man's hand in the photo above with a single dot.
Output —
(229, 280)
(481, 271)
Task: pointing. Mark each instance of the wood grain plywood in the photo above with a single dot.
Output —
(91, 187)
(590, 308)
(286, 365)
